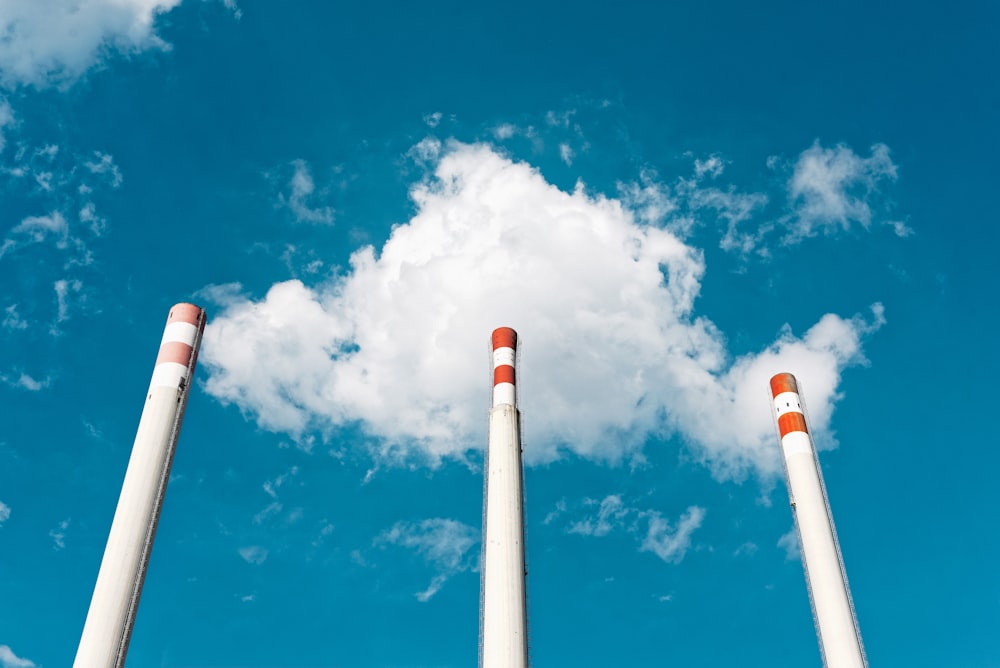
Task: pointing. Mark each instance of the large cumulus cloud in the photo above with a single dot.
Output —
(613, 349)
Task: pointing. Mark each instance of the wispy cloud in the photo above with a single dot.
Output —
(300, 196)
(690, 202)
(66, 291)
(58, 535)
(325, 531)
(253, 554)
(832, 189)
(712, 166)
(445, 544)
(6, 119)
(10, 660)
(670, 542)
(610, 514)
(54, 43)
(24, 381)
(234, 8)
(104, 164)
(504, 131)
(12, 319)
(272, 486)
(492, 242)
(57, 243)
(268, 512)
(667, 540)
(566, 153)
(4, 512)
(274, 509)
(36, 230)
(789, 542)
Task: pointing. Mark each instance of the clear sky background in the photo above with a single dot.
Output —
(669, 204)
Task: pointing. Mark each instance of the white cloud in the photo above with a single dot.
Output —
(668, 541)
(733, 208)
(104, 164)
(789, 542)
(900, 228)
(12, 319)
(681, 207)
(560, 119)
(325, 530)
(434, 119)
(271, 486)
(4, 512)
(66, 182)
(54, 42)
(253, 554)
(610, 514)
(6, 118)
(671, 542)
(553, 515)
(832, 188)
(269, 511)
(566, 153)
(58, 535)
(10, 660)
(65, 290)
(445, 544)
(651, 201)
(613, 349)
(36, 230)
(25, 382)
(712, 166)
(504, 131)
(300, 196)
(234, 8)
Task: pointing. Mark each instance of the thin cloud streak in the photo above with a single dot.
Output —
(10, 660)
(445, 544)
(667, 540)
(50, 44)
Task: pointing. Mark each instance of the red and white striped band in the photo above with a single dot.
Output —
(504, 354)
(177, 348)
(788, 404)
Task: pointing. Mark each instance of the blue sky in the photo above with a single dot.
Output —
(669, 205)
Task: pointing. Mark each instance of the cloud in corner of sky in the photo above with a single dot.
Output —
(831, 189)
(444, 544)
(54, 42)
(614, 352)
(300, 197)
(10, 660)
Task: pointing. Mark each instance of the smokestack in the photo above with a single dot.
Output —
(108, 628)
(833, 611)
(503, 615)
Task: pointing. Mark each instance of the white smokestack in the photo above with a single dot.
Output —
(504, 625)
(108, 628)
(833, 611)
